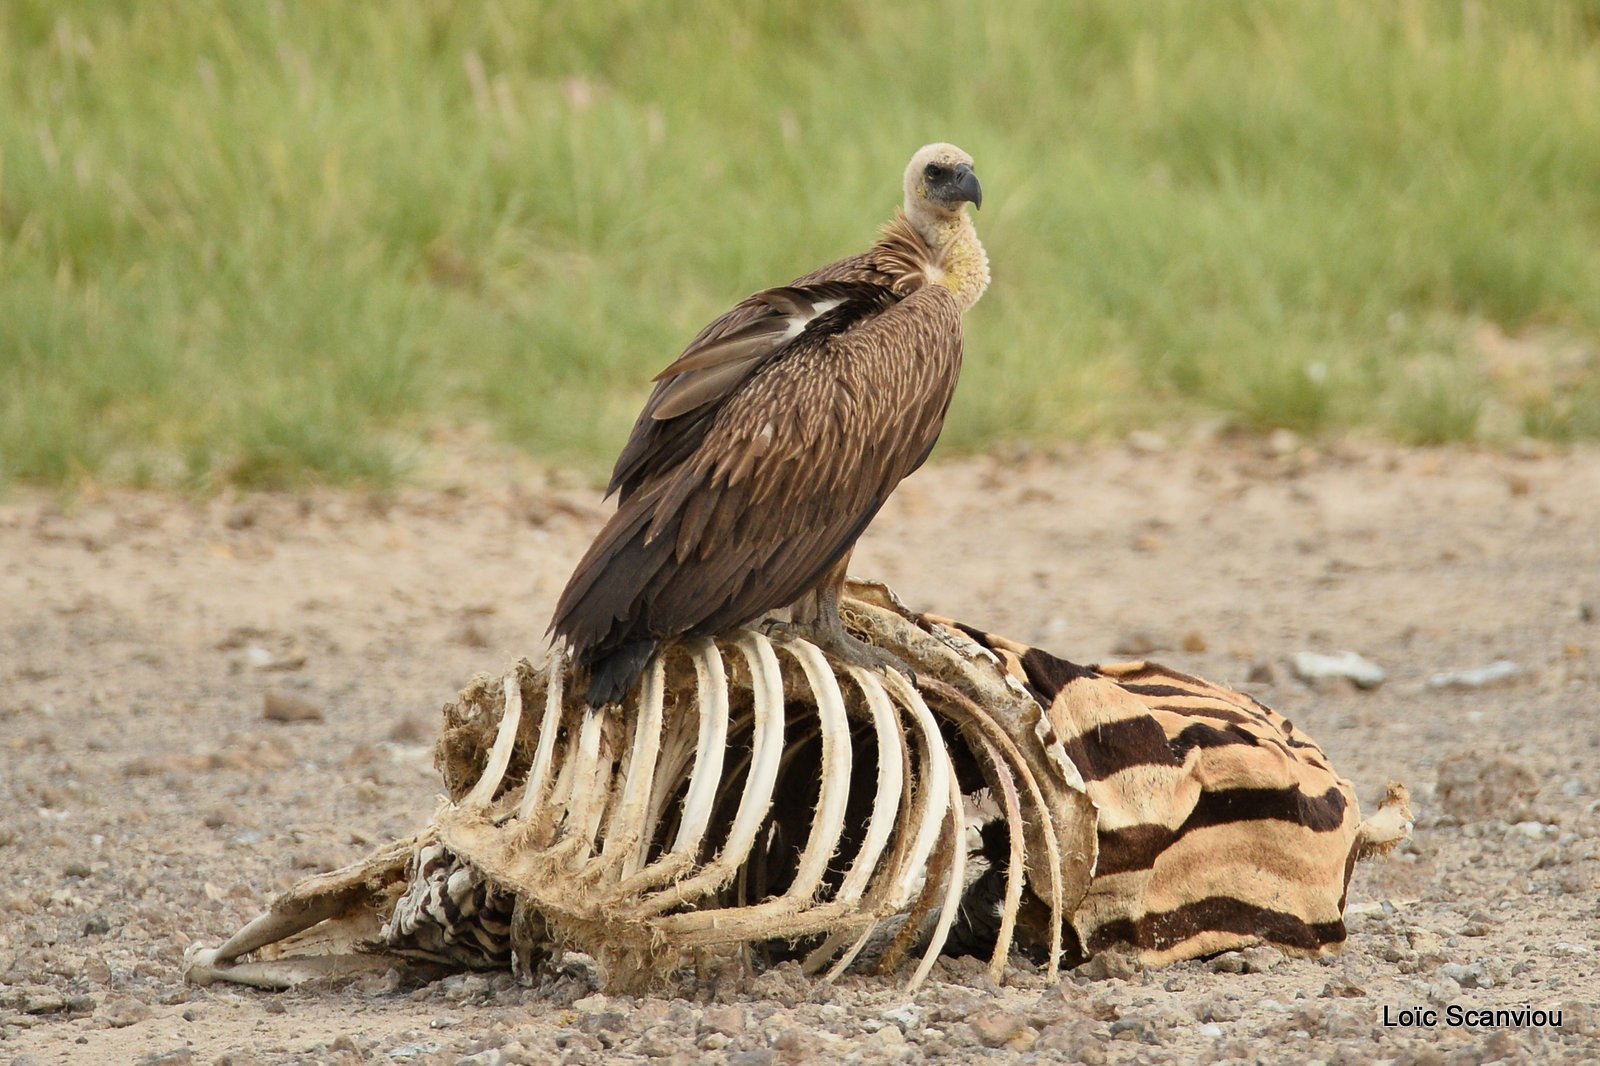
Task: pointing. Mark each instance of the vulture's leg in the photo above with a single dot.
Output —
(815, 617)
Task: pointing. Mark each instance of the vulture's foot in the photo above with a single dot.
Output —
(838, 644)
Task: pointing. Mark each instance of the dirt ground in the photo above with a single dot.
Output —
(148, 801)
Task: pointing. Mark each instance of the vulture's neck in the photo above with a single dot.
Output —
(959, 262)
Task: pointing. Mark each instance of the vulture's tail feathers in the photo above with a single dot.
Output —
(614, 671)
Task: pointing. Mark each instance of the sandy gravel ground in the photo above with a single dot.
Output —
(145, 799)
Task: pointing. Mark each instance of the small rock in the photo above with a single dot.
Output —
(445, 1021)
(176, 1057)
(1219, 1009)
(1261, 673)
(611, 1021)
(727, 1019)
(1262, 958)
(1109, 965)
(759, 1056)
(488, 1057)
(657, 1042)
(1133, 1029)
(906, 1017)
(1195, 641)
(1210, 1030)
(97, 925)
(796, 1045)
(1228, 962)
(1497, 672)
(123, 1011)
(1532, 830)
(1473, 976)
(998, 1028)
(286, 707)
(42, 1000)
(1315, 667)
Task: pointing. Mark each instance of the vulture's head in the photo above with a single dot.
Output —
(939, 180)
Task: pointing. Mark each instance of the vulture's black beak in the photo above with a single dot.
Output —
(967, 187)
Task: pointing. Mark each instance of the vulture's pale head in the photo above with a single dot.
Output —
(939, 180)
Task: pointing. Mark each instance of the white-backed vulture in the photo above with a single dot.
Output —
(769, 445)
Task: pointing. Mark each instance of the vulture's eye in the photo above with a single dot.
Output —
(934, 172)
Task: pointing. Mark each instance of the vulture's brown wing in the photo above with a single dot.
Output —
(724, 355)
(780, 480)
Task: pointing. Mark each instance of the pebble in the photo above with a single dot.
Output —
(727, 1019)
(278, 706)
(41, 1000)
(1531, 830)
(177, 1057)
(1497, 672)
(1473, 976)
(96, 925)
(906, 1017)
(1315, 667)
(999, 1028)
(754, 1057)
(123, 1011)
(406, 1052)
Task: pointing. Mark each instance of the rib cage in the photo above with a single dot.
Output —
(756, 801)
(752, 796)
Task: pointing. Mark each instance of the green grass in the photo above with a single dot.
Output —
(264, 243)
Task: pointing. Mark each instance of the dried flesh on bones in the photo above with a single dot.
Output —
(754, 800)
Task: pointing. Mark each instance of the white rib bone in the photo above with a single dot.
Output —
(955, 884)
(712, 686)
(827, 823)
(494, 771)
(1016, 867)
(935, 784)
(699, 800)
(890, 811)
(891, 785)
(549, 726)
(909, 860)
(589, 791)
(1041, 810)
(767, 687)
(626, 825)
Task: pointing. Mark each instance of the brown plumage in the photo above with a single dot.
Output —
(773, 440)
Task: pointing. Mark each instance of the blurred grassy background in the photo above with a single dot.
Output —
(263, 242)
